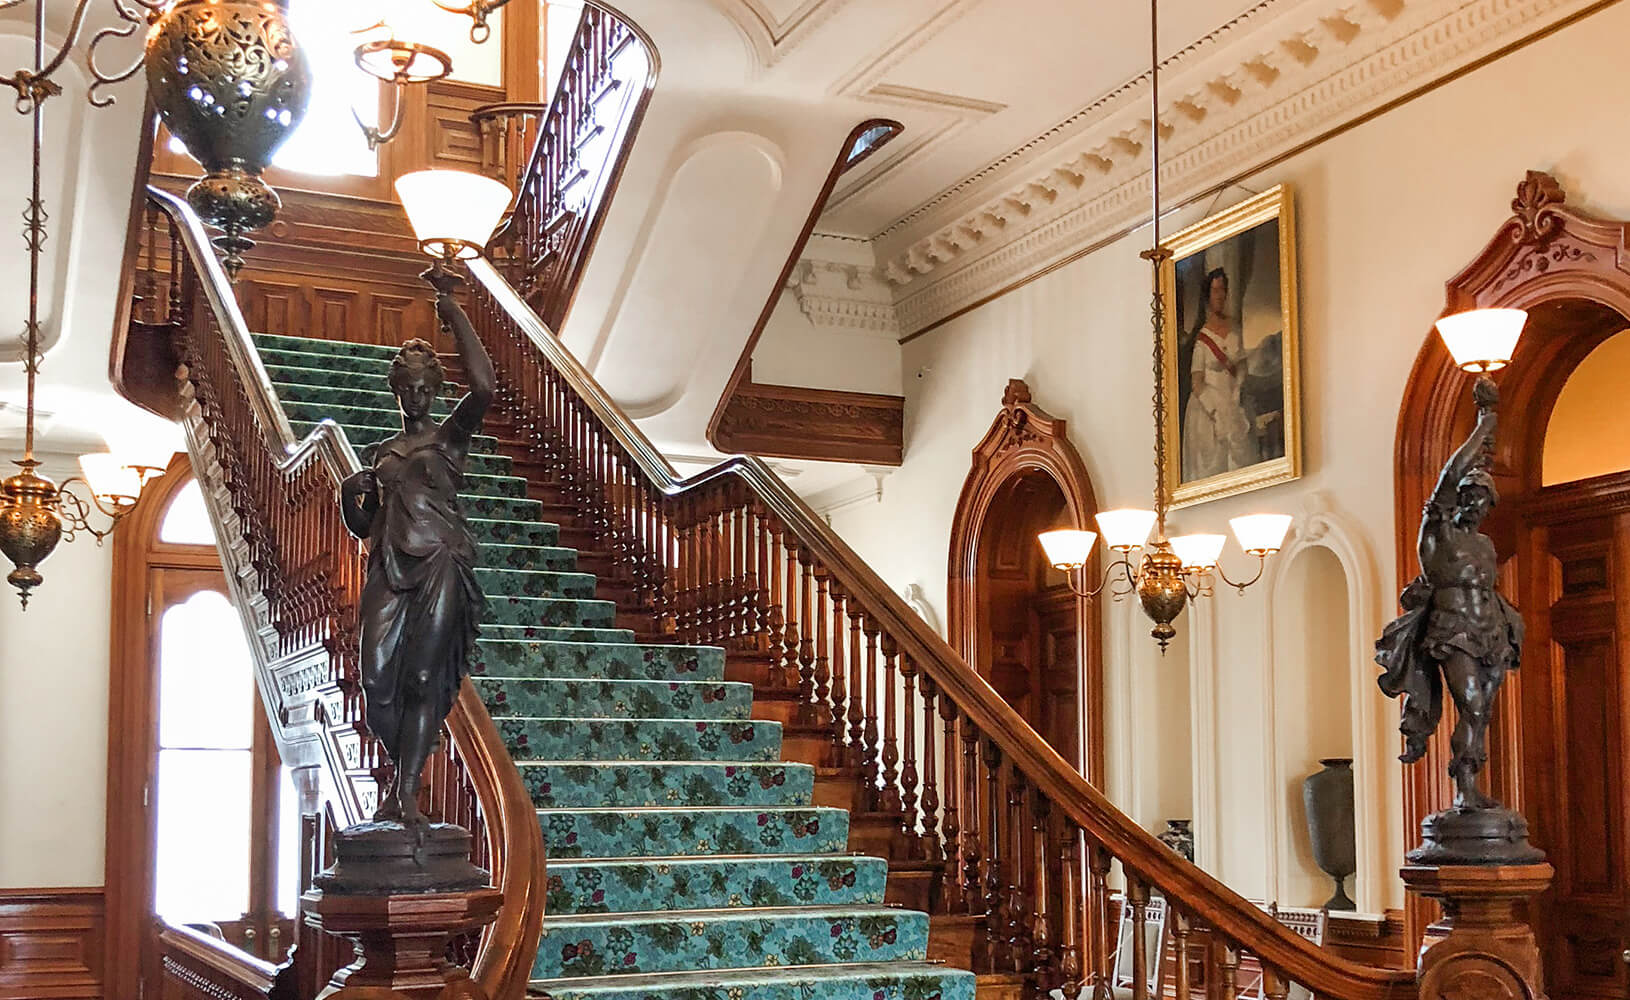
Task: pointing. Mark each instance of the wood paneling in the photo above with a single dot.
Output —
(783, 421)
(51, 944)
(1376, 943)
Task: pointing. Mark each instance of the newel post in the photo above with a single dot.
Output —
(1483, 946)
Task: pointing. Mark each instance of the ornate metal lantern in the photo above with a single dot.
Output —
(231, 84)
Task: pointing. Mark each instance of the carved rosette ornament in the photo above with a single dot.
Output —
(231, 83)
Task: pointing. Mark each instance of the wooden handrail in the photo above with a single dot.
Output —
(733, 556)
(196, 965)
(283, 492)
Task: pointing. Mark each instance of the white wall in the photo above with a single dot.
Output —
(54, 700)
(1388, 211)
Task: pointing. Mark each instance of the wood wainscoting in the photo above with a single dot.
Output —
(51, 944)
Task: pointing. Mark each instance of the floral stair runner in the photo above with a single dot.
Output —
(686, 861)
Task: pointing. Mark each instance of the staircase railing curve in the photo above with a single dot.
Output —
(299, 579)
(733, 557)
(579, 148)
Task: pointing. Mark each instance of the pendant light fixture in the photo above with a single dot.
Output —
(1170, 573)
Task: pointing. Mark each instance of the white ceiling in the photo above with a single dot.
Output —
(972, 80)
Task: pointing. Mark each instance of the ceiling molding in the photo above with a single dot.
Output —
(772, 37)
(932, 100)
(867, 75)
(838, 295)
(1237, 106)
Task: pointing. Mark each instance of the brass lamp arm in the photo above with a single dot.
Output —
(34, 86)
(1261, 565)
(478, 11)
(1122, 564)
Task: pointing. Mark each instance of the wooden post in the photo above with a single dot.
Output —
(1484, 946)
(401, 941)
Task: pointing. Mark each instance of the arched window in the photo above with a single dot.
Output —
(204, 823)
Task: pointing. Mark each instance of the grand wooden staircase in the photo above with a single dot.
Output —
(1018, 863)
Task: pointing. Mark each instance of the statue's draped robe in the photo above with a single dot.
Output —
(421, 569)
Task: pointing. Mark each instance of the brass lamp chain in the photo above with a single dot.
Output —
(34, 237)
(1156, 256)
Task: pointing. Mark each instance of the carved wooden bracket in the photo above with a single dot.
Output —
(784, 421)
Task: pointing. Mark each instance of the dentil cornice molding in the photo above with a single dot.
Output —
(1237, 102)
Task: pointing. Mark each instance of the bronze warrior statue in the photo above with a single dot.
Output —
(1458, 631)
(421, 603)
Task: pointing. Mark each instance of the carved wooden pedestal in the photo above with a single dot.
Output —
(1483, 949)
(401, 942)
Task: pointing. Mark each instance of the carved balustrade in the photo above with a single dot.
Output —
(1022, 843)
(301, 576)
(576, 157)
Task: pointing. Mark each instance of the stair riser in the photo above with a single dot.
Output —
(549, 612)
(668, 833)
(640, 740)
(371, 393)
(809, 985)
(549, 559)
(536, 583)
(642, 886)
(760, 940)
(487, 530)
(570, 699)
(593, 785)
(584, 661)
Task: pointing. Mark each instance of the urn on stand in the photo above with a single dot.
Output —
(1327, 798)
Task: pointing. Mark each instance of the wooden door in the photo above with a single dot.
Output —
(1576, 703)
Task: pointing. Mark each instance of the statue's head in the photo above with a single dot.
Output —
(1475, 496)
(416, 378)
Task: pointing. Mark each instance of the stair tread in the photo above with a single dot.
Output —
(872, 976)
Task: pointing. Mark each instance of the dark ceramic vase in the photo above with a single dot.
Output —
(1328, 799)
(1179, 836)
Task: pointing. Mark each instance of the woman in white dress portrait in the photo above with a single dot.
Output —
(1216, 432)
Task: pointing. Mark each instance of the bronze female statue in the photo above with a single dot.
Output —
(1458, 631)
(421, 604)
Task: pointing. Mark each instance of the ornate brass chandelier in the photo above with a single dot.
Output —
(229, 81)
(1171, 572)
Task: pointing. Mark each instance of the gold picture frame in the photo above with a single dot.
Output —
(1233, 367)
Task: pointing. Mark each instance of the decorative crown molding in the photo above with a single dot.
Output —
(1246, 94)
(844, 295)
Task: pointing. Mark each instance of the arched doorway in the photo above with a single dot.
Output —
(1559, 747)
(1012, 616)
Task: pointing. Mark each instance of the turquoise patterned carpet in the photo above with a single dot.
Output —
(686, 861)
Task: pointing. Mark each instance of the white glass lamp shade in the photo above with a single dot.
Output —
(1068, 549)
(453, 212)
(1199, 552)
(1482, 340)
(1261, 534)
(1126, 529)
(110, 479)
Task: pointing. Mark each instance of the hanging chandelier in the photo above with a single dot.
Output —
(1166, 574)
(230, 83)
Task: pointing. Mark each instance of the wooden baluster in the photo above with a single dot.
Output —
(788, 666)
(775, 636)
(742, 624)
(712, 592)
(1182, 925)
(840, 682)
(908, 769)
(1137, 897)
(995, 848)
(806, 642)
(871, 757)
(858, 695)
(1228, 966)
(1274, 984)
(1023, 883)
(932, 850)
(973, 897)
(1070, 908)
(889, 771)
(1101, 922)
(1042, 958)
(823, 650)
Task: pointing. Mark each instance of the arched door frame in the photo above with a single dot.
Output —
(1571, 271)
(1023, 439)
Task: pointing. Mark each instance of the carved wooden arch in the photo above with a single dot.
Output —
(1571, 271)
(1023, 439)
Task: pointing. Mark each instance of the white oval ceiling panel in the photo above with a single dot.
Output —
(702, 239)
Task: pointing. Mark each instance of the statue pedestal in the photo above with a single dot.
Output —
(1484, 946)
(401, 941)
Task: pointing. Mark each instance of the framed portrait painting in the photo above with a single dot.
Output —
(1233, 386)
